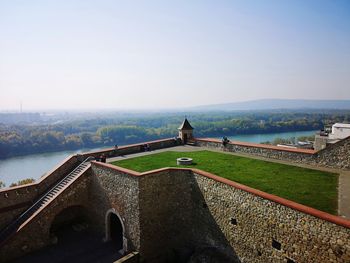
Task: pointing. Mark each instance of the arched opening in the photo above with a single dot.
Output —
(115, 231)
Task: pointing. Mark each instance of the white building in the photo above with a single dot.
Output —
(339, 131)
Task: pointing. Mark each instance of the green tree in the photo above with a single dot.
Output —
(23, 182)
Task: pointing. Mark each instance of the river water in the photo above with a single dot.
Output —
(36, 165)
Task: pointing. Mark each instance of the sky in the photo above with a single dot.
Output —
(82, 54)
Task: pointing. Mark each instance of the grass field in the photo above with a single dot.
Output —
(313, 188)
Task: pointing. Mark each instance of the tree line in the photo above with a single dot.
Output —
(24, 139)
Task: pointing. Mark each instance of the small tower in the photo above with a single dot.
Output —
(185, 131)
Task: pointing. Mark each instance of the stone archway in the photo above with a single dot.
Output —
(115, 231)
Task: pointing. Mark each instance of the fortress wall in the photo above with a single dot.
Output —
(15, 200)
(252, 224)
(36, 233)
(182, 213)
(133, 148)
(175, 222)
(334, 156)
(118, 190)
(274, 152)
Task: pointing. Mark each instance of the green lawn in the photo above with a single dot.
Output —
(313, 188)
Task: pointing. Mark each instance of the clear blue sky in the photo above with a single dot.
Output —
(162, 54)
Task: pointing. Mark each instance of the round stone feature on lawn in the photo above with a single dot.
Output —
(184, 161)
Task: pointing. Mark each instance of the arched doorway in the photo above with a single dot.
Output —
(115, 231)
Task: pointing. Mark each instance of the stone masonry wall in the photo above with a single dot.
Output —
(252, 224)
(36, 234)
(15, 200)
(182, 214)
(334, 156)
(111, 189)
(175, 223)
(133, 148)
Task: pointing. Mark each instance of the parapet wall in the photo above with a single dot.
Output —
(133, 148)
(334, 156)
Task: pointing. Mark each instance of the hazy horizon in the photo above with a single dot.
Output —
(159, 55)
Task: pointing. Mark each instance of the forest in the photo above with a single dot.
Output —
(109, 129)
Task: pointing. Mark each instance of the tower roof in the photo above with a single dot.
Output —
(185, 125)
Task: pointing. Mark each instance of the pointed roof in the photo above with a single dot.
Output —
(185, 125)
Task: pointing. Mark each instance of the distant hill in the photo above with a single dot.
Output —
(273, 104)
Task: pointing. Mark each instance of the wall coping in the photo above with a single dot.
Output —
(280, 200)
(257, 145)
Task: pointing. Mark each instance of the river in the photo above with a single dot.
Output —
(35, 165)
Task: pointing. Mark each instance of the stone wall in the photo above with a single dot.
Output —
(133, 148)
(334, 156)
(262, 230)
(35, 234)
(176, 225)
(117, 190)
(15, 200)
(187, 215)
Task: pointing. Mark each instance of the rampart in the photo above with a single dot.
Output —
(334, 156)
(186, 213)
(213, 215)
(15, 200)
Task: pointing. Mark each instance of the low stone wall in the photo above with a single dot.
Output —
(334, 156)
(133, 148)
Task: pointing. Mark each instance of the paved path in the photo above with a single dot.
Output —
(343, 183)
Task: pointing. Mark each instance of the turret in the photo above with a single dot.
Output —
(185, 131)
